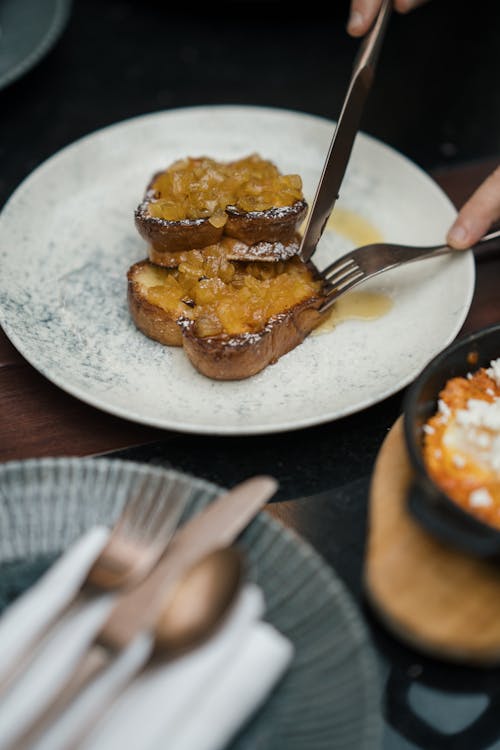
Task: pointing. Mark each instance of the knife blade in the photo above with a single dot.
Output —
(344, 135)
(134, 613)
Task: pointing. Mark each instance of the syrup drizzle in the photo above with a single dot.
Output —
(355, 305)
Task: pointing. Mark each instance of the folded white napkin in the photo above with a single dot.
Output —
(30, 613)
(196, 702)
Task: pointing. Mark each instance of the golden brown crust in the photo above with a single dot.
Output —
(237, 357)
(175, 236)
(224, 356)
(152, 320)
(273, 225)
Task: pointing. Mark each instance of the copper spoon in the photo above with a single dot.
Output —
(200, 602)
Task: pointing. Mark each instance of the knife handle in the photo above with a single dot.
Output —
(371, 45)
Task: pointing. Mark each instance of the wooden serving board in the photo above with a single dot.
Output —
(438, 599)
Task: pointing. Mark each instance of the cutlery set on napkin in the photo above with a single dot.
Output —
(81, 666)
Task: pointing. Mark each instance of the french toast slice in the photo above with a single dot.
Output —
(197, 202)
(233, 319)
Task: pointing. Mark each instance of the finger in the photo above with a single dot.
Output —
(478, 214)
(404, 6)
(362, 15)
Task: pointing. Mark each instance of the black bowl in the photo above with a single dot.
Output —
(426, 501)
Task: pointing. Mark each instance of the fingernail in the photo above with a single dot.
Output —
(355, 21)
(458, 234)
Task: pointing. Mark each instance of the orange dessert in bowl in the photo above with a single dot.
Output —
(452, 435)
(462, 442)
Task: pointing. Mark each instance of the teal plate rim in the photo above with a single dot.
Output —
(50, 35)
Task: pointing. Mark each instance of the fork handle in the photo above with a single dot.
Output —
(443, 249)
(489, 239)
(407, 254)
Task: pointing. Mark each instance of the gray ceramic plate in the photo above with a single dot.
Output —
(28, 30)
(329, 697)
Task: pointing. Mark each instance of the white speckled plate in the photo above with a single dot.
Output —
(67, 238)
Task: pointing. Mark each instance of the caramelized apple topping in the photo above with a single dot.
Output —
(228, 297)
(202, 188)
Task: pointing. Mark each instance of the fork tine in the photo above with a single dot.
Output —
(133, 508)
(154, 500)
(138, 514)
(333, 295)
(172, 511)
(163, 504)
(347, 272)
(340, 282)
(337, 265)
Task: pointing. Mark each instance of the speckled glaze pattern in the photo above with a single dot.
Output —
(67, 238)
(329, 697)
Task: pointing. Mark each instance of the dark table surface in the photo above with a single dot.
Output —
(435, 99)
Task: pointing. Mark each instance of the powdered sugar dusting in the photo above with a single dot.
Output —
(272, 251)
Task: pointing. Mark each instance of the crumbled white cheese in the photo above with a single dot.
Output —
(490, 391)
(474, 433)
(459, 461)
(428, 429)
(438, 453)
(494, 370)
(483, 439)
(480, 498)
(495, 454)
(443, 408)
(478, 413)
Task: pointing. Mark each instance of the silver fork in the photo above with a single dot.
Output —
(362, 264)
(137, 540)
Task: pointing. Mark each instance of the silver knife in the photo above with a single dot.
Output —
(342, 142)
(136, 611)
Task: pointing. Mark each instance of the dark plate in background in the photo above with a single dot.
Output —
(28, 30)
(432, 507)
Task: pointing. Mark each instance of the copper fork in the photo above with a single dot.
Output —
(137, 540)
(356, 267)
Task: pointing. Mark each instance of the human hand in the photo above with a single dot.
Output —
(363, 13)
(478, 214)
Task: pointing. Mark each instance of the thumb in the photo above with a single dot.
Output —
(478, 214)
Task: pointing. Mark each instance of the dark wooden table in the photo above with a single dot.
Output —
(122, 58)
(324, 476)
